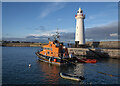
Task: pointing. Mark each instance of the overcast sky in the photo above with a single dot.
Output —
(36, 21)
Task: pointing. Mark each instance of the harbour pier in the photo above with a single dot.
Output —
(103, 49)
(96, 53)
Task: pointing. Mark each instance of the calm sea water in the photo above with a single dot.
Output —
(15, 69)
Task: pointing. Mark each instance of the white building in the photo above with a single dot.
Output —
(80, 34)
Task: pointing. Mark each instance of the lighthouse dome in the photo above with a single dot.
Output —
(80, 12)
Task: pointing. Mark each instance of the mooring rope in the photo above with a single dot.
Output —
(69, 61)
(109, 74)
(104, 73)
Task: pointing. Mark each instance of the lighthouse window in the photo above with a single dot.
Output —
(77, 11)
(81, 11)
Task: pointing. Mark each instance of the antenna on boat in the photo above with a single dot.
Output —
(49, 37)
(56, 36)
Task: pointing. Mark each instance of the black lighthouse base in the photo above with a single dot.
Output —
(77, 45)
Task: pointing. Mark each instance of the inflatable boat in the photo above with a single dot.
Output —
(72, 77)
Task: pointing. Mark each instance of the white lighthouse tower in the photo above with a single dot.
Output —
(80, 35)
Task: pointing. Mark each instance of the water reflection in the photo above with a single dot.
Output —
(79, 70)
(50, 72)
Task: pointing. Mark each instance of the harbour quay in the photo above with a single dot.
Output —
(96, 53)
(103, 50)
(104, 44)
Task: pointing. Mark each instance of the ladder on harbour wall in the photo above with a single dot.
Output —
(101, 55)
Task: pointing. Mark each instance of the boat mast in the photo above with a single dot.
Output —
(57, 35)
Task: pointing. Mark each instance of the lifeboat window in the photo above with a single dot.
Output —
(51, 52)
(41, 49)
(48, 52)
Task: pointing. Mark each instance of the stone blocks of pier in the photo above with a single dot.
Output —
(95, 53)
(104, 44)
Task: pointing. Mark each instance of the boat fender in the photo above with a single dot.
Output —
(76, 61)
(49, 59)
(70, 55)
(64, 54)
(54, 60)
(29, 65)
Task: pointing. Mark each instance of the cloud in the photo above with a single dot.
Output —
(52, 7)
(114, 34)
(98, 33)
(48, 32)
(35, 35)
(102, 32)
(28, 39)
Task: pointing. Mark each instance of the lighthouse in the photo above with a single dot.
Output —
(79, 35)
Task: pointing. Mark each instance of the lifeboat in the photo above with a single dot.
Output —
(54, 53)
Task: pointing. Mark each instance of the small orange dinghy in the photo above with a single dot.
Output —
(87, 60)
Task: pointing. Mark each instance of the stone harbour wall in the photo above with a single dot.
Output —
(104, 44)
(96, 53)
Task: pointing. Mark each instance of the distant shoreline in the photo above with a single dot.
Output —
(23, 44)
(102, 44)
